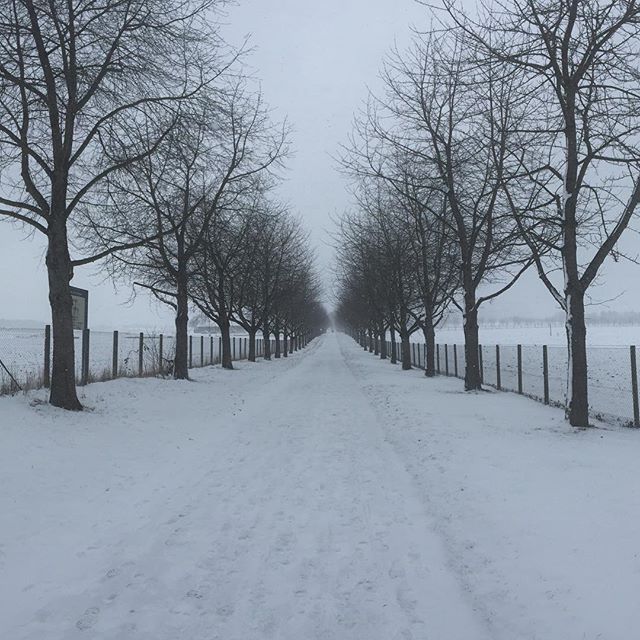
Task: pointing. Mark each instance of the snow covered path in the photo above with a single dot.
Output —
(326, 496)
(288, 516)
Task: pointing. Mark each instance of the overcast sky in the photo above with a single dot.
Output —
(315, 61)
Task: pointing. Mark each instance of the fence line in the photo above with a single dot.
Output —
(540, 373)
(25, 355)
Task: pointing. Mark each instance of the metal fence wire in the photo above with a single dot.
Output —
(108, 355)
(540, 372)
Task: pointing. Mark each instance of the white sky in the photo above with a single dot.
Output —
(315, 61)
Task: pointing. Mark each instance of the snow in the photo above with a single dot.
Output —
(328, 495)
(552, 335)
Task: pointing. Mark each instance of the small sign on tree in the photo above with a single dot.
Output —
(80, 301)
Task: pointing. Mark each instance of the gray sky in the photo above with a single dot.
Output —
(315, 61)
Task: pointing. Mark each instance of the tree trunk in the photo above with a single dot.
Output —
(370, 339)
(225, 334)
(376, 344)
(430, 340)
(181, 360)
(285, 344)
(406, 352)
(266, 341)
(394, 349)
(383, 345)
(63, 373)
(472, 380)
(276, 333)
(577, 383)
(252, 345)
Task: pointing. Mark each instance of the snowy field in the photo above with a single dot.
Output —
(22, 352)
(610, 390)
(326, 496)
(552, 335)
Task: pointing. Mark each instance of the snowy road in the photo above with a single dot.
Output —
(327, 496)
(291, 518)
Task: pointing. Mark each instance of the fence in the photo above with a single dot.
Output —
(25, 355)
(540, 372)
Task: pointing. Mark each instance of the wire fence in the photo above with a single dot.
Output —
(540, 372)
(25, 355)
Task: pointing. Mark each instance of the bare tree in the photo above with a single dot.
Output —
(421, 209)
(279, 243)
(378, 274)
(203, 172)
(456, 119)
(249, 310)
(74, 75)
(576, 61)
(219, 266)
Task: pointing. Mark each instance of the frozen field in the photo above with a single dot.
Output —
(328, 496)
(597, 335)
(610, 390)
(22, 352)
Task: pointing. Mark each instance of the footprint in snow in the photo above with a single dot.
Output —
(88, 619)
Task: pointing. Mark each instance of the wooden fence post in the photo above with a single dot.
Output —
(446, 359)
(455, 360)
(141, 355)
(520, 369)
(47, 357)
(634, 388)
(190, 352)
(481, 363)
(498, 379)
(114, 355)
(86, 336)
(545, 373)
(211, 350)
(437, 358)
(202, 351)
(160, 353)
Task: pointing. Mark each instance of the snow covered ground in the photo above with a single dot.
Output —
(326, 496)
(552, 335)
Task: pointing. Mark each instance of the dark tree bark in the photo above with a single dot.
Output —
(276, 335)
(472, 378)
(383, 344)
(225, 334)
(430, 342)
(577, 380)
(181, 362)
(266, 338)
(405, 345)
(252, 345)
(63, 382)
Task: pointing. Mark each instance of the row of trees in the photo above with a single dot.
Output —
(129, 134)
(504, 140)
